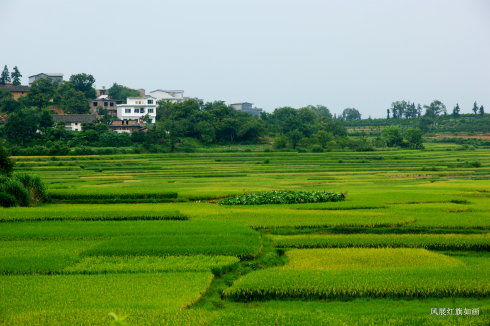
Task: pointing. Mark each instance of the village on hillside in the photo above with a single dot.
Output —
(126, 116)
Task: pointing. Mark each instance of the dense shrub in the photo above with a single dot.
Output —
(7, 200)
(282, 197)
(17, 190)
(34, 185)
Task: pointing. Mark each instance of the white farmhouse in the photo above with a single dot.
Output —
(168, 95)
(137, 107)
(74, 122)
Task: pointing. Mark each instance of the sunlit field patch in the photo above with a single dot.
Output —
(365, 258)
(147, 264)
(365, 273)
(99, 294)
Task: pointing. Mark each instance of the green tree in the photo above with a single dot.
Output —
(434, 109)
(5, 76)
(351, 114)
(251, 130)
(413, 138)
(475, 108)
(45, 120)
(21, 126)
(456, 110)
(392, 135)
(42, 93)
(120, 93)
(482, 110)
(9, 105)
(16, 75)
(6, 164)
(84, 83)
(71, 100)
(323, 137)
(294, 137)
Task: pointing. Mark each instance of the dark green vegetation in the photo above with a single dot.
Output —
(194, 125)
(283, 197)
(18, 189)
(411, 236)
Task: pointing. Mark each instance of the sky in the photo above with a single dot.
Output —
(273, 53)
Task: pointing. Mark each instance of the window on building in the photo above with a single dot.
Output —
(127, 110)
(94, 103)
(138, 102)
(142, 110)
(106, 104)
(150, 101)
(136, 110)
(111, 103)
(150, 110)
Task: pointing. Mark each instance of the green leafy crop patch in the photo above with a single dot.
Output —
(283, 197)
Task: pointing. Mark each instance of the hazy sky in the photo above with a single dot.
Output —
(362, 54)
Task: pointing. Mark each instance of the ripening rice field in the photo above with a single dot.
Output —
(336, 238)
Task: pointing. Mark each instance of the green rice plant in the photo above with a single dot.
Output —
(428, 241)
(108, 197)
(149, 264)
(397, 282)
(240, 245)
(87, 212)
(360, 272)
(282, 197)
(364, 258)
(359, 311)
(40, 257)
(100, 294)
(110, 229)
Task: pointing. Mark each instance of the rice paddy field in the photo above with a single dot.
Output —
(146, 240)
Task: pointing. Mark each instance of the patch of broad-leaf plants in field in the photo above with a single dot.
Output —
(283, 197)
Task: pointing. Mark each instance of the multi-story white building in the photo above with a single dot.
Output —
(169, 95)
(138, 107)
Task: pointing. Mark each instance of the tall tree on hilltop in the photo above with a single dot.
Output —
(456, 110)
(435, 108)
(5, 77)
(351, 114)
(84, 83)
(16, 76)
(475, 108)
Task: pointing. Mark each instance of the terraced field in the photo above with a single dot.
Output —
(143, 236)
